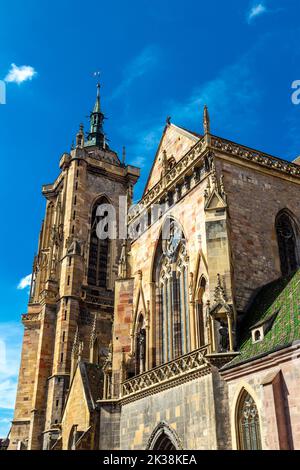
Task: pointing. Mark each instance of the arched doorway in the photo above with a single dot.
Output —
(164, 443)
(164, 438)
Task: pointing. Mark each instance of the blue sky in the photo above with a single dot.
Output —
(156, 59)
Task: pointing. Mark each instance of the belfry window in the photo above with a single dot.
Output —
(172, 304)
(248, 431)
(98, 253)
(287, 243)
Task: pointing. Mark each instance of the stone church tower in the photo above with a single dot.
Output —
(71, 300)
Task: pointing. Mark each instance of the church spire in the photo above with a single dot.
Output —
(97, 107)
(96, 134)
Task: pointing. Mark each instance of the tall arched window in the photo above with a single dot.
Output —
(98, 252)
(200, 313)
(170, 275)
(248, 429)
(287, 243)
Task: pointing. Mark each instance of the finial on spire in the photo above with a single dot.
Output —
(168, 120)
(123, 155)
(206, 121)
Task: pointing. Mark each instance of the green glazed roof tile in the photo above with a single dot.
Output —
(279, 300)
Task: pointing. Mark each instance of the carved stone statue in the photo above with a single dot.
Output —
(224, 336)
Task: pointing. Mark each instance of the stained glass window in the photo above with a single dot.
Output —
(171, 279)
(248, 424)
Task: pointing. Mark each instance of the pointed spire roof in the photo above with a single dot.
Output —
(96, 135)
(97, 107)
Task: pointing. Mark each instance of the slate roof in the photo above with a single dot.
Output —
(92, 378)
(277, 304)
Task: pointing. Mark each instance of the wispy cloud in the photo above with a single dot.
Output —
(5, 420)
(232, 97)
(255, 11)
(136, 68)
(10, 348)
(145, 144)
(19, 74)
(24, 282)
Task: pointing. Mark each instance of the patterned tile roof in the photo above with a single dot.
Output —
(278, 305)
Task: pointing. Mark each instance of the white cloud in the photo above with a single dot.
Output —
(8, 390)
(256, 11)
(136, 68)
(24, 282)
(4, 420)
(20, 74)
(10, 351)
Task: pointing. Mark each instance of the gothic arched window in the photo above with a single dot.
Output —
(98, 252)
(248, 429)
(172, 305)
(287, 243)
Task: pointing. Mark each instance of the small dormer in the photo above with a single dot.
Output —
(260, 329)
(257, 334)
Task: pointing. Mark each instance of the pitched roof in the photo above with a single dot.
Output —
(192, 136)
(92, 378)
(277, 303)
(92, 381)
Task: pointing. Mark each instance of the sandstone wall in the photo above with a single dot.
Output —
(254, 200)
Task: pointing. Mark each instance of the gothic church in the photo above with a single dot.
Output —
(182, 332)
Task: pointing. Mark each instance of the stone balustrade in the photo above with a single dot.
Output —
(177, 369)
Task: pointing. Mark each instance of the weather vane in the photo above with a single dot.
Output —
(96, 74)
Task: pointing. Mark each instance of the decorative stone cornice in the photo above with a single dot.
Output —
(255, 156)
(188, 161)
(31, 320)
(93, 299)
